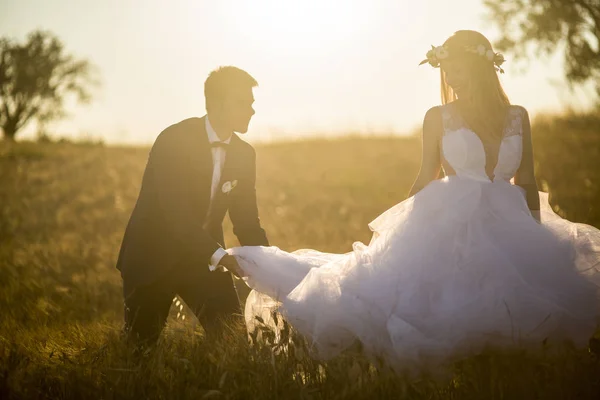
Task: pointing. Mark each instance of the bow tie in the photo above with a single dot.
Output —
(219, 144)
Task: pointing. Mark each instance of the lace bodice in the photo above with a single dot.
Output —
(464, 150)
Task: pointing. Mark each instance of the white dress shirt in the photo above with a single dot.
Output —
(218, 155)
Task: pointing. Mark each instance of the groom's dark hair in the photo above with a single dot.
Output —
(224, 80)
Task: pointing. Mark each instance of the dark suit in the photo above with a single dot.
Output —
(171, 236)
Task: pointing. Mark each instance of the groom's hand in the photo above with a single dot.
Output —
(232, 265)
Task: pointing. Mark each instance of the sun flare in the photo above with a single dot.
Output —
(298, 26)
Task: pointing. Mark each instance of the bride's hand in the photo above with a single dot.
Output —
(232, 265)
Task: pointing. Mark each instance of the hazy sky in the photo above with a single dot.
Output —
(327, 66)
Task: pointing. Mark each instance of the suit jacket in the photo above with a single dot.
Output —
(170, 225)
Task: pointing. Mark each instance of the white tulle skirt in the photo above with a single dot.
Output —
(459, 266)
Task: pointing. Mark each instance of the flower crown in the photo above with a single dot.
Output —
(439, 53)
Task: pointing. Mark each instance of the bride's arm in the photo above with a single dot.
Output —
(525, 176)
(430, 161)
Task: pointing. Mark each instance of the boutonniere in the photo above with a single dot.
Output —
(229, 186)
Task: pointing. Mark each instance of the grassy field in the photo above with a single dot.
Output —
(63, 209)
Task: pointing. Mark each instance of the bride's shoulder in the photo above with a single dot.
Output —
(432, 123)
(434, 114)
(515, 109)
(438, 112)
(434, 111)
(518, 121)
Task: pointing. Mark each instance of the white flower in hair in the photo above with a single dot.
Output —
(499, 59)
(435, 55)
(441, 53)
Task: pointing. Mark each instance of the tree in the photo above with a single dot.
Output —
(572, 25)
(35, 80)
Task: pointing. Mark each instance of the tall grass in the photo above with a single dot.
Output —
(63, 209)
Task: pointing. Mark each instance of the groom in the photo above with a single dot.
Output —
(198, 169)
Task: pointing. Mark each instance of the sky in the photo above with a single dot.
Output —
(325, 67)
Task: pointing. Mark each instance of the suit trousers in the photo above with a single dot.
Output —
(211, 296)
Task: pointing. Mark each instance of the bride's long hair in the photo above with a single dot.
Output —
(486, 110)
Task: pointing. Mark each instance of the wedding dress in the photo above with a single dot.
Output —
(460, 265)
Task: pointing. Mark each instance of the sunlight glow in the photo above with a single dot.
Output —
(300, 26)
(325, 67)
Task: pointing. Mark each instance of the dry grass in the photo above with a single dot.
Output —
(63, 209)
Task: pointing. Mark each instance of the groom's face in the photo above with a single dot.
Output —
(238, 109)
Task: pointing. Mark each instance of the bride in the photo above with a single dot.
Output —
(476, 258)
